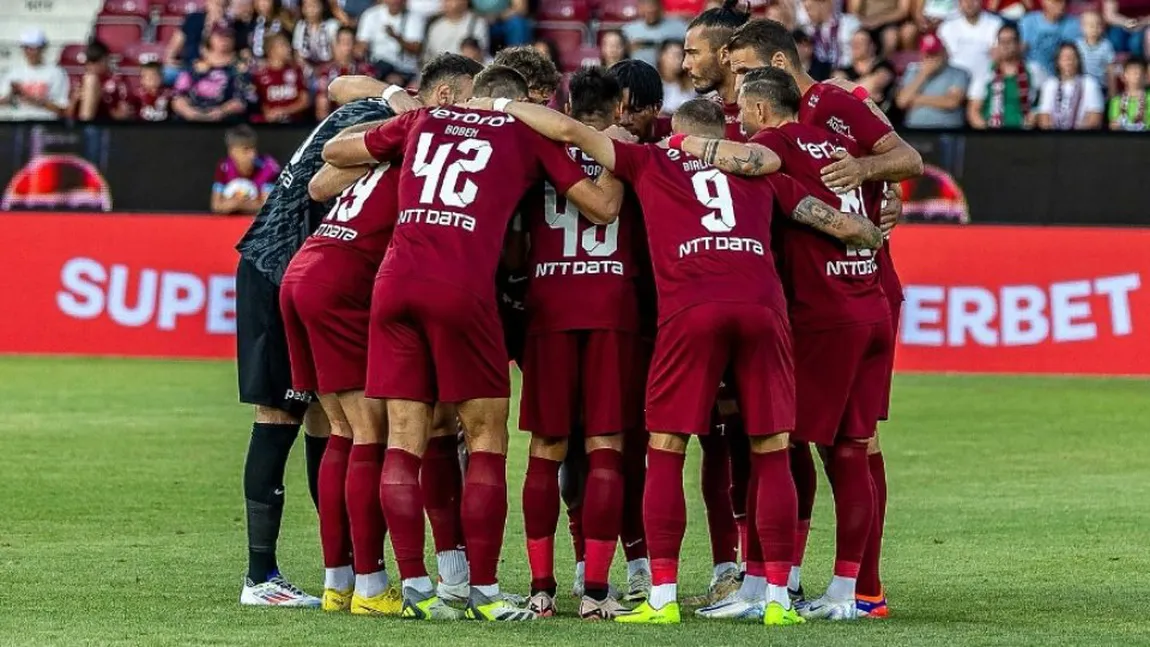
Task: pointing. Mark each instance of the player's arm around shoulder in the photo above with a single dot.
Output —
(555, 126)
(729, 156)
(855, 230)
(600, 200)
(362, 144)
(330, 181)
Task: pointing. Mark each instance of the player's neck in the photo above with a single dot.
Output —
(780, 122)
(727, 90)
(804, 81)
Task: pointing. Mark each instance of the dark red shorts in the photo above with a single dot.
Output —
(587, 375)
(434, 342)
(839, 381)
(326, 330)
(693, 350)
(888, 379)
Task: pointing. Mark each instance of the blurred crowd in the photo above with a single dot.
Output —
(939, 64)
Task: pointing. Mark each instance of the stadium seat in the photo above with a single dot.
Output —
(168, 25)
(563, 11)
(616, 13)
(585, 56)
(118, 32)
(566, 40)
(137, 54)
(138, 8)
(72, 57)
(183, 7)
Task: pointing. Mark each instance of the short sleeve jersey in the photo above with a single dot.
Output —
(829, 106)
(353, 238)
(290, 215)
(464, 173)
(280, 88)
(708, 232)
(583, 276)
(827, 283)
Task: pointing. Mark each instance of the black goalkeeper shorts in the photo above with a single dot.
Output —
(261, 346)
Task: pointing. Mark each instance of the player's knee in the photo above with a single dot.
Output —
(408, 423)
(273, 416)
(613, 442)
(316, 423)
(872, 446)
(848, 448)
(485, 424)
(552, 449)
(666, 442)
(772, 443)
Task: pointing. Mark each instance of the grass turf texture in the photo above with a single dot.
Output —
(1017, 516)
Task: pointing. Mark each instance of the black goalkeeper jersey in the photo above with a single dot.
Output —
(290, 215)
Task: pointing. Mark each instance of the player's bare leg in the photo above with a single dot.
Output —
(334, 527)
(854, 513)
(409, 423)
(442, 480)
(484, 506)
(273, 435)
(665, 521)
(373, 593)
(541, 517)
(602, 520)
(775, 513)
(869, 593)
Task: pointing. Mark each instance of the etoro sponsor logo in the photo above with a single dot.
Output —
(1019, 315)
(135, 297)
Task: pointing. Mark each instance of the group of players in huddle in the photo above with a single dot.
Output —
(721, 276)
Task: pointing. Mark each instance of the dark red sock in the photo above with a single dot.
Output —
(540, 518)
(740, 449)
(442, 483)
(603, 514)
(806, 483)
(664, 513)
(575, 527)
(364, 468)
(716, 485)
(775, 514)
(752, 547)
(634, 481)
(402, 501)
(484, 514)
(854, 505)
(334, 534)
(869, 582)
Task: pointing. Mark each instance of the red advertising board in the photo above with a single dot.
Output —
(978, 299)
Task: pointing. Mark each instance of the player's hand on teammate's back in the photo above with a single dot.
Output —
(481, 103)
(621, 134)
(891, 210)
(402, 102)
(847, 174)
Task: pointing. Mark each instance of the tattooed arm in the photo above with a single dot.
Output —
(732, 157)
(853, 229)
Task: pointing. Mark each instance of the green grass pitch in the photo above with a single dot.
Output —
(1019, 515)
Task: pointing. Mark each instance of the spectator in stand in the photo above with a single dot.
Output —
(314, 36)
(1130, 111)
(347, 12)
(547, 46)
(470, 48)
(390, 37)
(869, 70)
(1072, 100)
(184, 46)
(509, 21)
(446, 33)
(677, 87)
(270, 18)
(1012, 10)
(883, 18)
(244, 178)
(426, 9)
(150, 100)
(805, 48)
(280, 84)
(784, 13)
(933, 92)
(969, 37)
(831, 31)
(34, 90)
(1002, 97)
(102, 94)
(1043, 32)
(613, 47)
(1128, 20)
(1097, 53)
(344, 61)
(930, 14)
(650, 30)
(212, 88)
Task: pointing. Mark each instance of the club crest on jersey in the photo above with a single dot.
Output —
(840, 127)
(814, 100)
